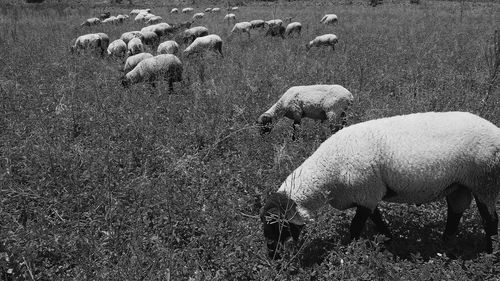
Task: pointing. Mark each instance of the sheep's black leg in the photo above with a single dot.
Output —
(358, 222)
(381, 225)
(170, 87)
(490, 224)
(296, 125)
(452, 222)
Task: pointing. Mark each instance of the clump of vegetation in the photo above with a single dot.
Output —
(104, 183)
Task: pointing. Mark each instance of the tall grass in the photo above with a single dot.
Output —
(99, 182)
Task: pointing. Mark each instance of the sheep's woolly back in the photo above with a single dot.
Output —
(135, 46)
(127, 36)
(241, 27)
(168, 47)
(329, 19)
(294, 26)
(117, 48)
(200, 44)
(161, 66)
(414, 158)
(312, 101)
(134, 60)
(324, 40)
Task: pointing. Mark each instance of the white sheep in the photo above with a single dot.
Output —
(242, 27)
(329, 19)
(121, 18)
(319, 102)
(161, 29)
(293, 28)
(89, 42)
(189, 35)
(134, 60)
(208, 10)
(174, 11)
(215, 10)
(235, 9)
(135, 46)
(110, 20)
(198, 16)
(91, 21)
(415, 159)
(140, 17)
(117, 48)
(323, 40)
(230, 17)
(258, 24)
(168, 47)
(127, 36)
(275, 22)
(187, 10)
(138, 11)
(153, 20)
(210, 42)
(162, 67)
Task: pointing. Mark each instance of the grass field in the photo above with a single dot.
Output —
(99, 182)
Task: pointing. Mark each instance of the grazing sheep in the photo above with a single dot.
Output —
(198, 16)
(258, 24)
(135, 46)
(329, 19)
(276, 30)
(210, 42)
(177, 27)
(208, 10)
(323, 40)
(91, 21)
(275, 22)
(187, 10)
(242, 27)
(127, 36)
(168, 47)
(162, 67)
(117, 48)
(215, 10)
(88, 42)
(121, 18)
(174, 11)
(161, 29)
(150, 38)
(293, 28)
(148, 17)
(134, 60)
(235, 9)
(230, 17)
(110, 20)
(319, 102)
(415, 159)
(138, 11)
(189, 35)
(154, 20)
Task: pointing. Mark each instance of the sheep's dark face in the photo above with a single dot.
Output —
(277, 228)
(125, 82)
(266, 124)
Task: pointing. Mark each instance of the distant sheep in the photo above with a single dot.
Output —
(162, 67)
(242, 27)
(189, 35)
(122, 18)
(168, 47)
(91, 22)
(215, 10)
(187, 10)
(320, 102)
(275, 22)
(258, 24)
(323, 40)
(110, 20)
(293, 28)
(235, 9)
(138, 11)
(117, 48)
(230, 17)
(135, 46)
(329, 19)
(174, 11)
(104, 15)
(127, 36)
(198, 16)
(89, 42)
(210, 42)
(161, 29)
(134, 60)
(414, 159)
(154, 20)
(208, 10)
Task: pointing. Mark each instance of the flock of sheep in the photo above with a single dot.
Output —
(415, 158)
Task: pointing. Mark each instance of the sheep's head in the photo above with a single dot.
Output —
(125, 81)
(265, 123)
(281, 223)
(308, 46)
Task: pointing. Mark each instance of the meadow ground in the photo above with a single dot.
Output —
(102, 183)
